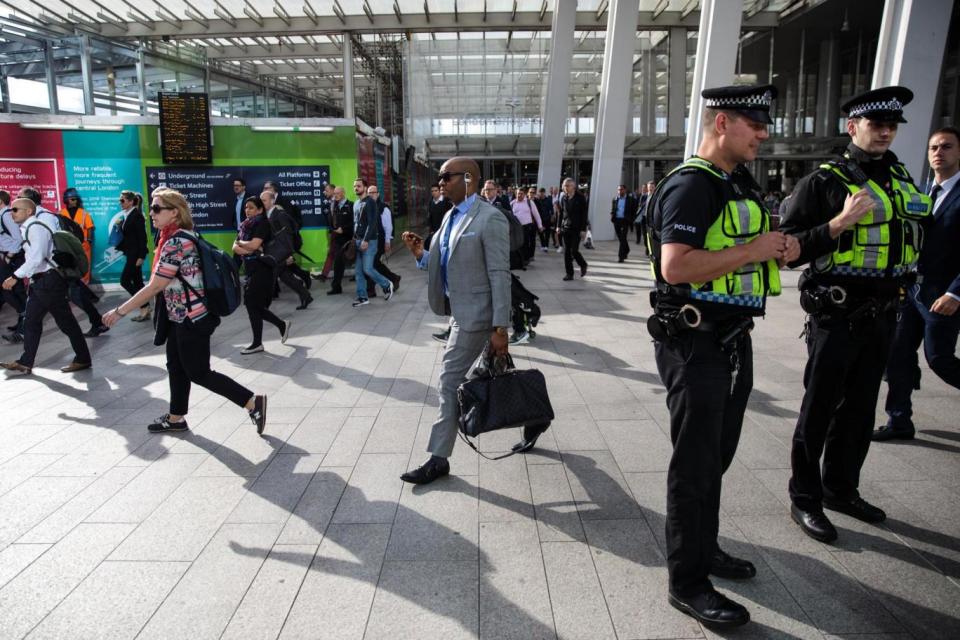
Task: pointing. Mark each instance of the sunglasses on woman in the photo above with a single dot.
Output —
(155, 208)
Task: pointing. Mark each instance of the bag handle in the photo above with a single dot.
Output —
(481, 453)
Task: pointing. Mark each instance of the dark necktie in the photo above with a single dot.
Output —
(935, 192)
(445, 246)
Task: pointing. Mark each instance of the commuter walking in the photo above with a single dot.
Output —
(133, 246)
(184, 323)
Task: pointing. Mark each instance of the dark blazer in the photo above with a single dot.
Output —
(134, 243)
(341, 217)
(629, 208)
(436, 211)
(367, 225)
(232, 206)
(939, 258)
(573, 212)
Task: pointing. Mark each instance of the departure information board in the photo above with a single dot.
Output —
(185, 128)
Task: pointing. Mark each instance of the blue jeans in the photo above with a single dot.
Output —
(939, 336)
(364, 265)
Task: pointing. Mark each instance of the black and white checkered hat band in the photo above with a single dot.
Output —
(749, 102)
(870, 107)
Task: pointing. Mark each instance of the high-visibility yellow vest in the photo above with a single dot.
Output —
(740, 222)
(887, 241)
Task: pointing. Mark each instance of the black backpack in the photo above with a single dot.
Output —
(69, 224)
(221, 278)
(283, 240)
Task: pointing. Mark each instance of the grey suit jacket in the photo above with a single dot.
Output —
(478, 270)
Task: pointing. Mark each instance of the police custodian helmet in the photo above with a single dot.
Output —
(883, 105)
(751, 100)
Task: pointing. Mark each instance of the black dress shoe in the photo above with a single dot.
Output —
(889, 432)
(568, 278)
(712, 609)
(726, 566)
(814, 523)
(583, 271)
(530, 435)
(857, 508)
(304, 303)
(429, 472)
(334, 292)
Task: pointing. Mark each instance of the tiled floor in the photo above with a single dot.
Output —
(109, 532)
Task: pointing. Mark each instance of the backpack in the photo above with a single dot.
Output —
(68, 255)
(283, 241)
(516, 230)
(69, 225)
(221, 279)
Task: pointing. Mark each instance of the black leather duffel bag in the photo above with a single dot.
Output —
(502, 397)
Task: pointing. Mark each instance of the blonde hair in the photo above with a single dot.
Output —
(175, 199)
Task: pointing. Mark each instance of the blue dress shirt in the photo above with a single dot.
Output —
(456, 217)
(621, 203)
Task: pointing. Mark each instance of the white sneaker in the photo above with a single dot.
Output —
(559, 249)
(544, 249)
(251, 349)
(387, 292)
(520, 338)
(286, 331)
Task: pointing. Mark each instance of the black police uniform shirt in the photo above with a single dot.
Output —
(818, 198)
(691, 201)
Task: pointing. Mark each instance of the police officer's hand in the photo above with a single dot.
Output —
(769, 246)
(945, 305)
(855, 207)
(413, 242)
(793, 251)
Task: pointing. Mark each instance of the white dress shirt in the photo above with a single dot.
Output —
(386, 219)
(38, 248)
(945, 187)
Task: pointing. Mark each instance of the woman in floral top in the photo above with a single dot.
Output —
(177, 275)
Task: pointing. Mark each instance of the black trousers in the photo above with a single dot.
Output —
(288, 277)
(382, 269)
(545, 236)
(81, 295)
(938, 333)
(48, 294)
(131, 278)
(529, 240)
(339, 264)
(257, 296)
(298, 271)
(641, 226)
(571, 251)
(188, 362)
(620, 226)
(705, 421)
(842, 380)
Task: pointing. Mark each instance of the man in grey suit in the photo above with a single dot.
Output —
(468, 269)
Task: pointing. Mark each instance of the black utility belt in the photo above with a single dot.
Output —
(819, 298)
(669, 322)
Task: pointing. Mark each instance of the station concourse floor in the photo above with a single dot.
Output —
(107, 531)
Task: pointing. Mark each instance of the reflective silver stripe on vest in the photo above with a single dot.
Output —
(746, 279)
(871, 255)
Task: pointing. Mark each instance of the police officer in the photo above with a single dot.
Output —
(858, 220)
(715, 260)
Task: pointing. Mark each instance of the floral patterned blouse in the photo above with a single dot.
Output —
(179, 256)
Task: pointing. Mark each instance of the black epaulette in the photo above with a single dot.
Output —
(850, 169)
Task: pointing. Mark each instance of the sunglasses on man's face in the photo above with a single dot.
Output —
(446, 175)
(18, 209)
(155, 208)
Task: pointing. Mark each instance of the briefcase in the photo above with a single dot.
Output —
(503, 399)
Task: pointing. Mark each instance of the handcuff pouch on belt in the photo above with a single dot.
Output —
(671, 320)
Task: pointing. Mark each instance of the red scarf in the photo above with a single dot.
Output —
(165, 234)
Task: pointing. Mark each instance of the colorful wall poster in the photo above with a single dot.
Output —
(32, 158)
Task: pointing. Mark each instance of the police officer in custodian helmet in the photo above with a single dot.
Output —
(858, 219)
(715, 260)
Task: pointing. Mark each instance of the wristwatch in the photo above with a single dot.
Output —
(501, 330)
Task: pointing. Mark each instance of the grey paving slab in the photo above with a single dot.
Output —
(100, 453)
(555, 508)
(637, 445)
(113, 602)
(32, 501)
(598, 486)
(14, 439)
(373, 490)
(23, 467)
(514, 598)
(335, 598)
(272, 497)
(265, 606)
(317, 431)
(63, 520)
(313, 512)
(246, 453)
(17, 557)
(394, 429)
(505, 490)
(39, 588)
(138, 499)
(632, 573)
(436, 525)
(579, 609)
(348, 444)
(425, 599)
(202, 603)
(183, 525)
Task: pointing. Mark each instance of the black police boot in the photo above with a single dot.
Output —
(712, 608)
(726, 566)
(857, 508)
(890, 432)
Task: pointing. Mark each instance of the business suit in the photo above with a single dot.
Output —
(133, 247)
(435, 212)
(477, 298)
(573, 222)
(236, 205)
(621, 225)
(939, 270)
(641, 221)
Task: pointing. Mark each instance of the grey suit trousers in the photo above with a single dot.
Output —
(463, 349)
